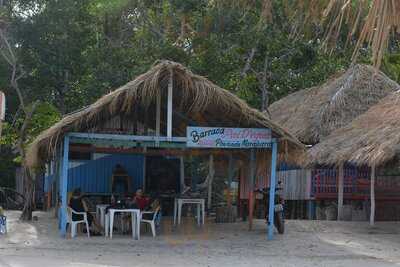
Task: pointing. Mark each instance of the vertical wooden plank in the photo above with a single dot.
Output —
(310, 209)
(182, 173)
(211, 173)
(146, 123)
(158, 117)
(272, 190)
(230, 177)
(308, 184)
(135, 120)
(251, 186)
(64, 186)
(144, 173)
(340, 191)
(372, 215)
(169, 107)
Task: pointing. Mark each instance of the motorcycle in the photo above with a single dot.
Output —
(279, 202)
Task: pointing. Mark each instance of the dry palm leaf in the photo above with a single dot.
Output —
(383, 17)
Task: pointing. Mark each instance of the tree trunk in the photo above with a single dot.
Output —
(17, 72)
(27, 176)
(264, 86)
(247, 67)
(28, 193)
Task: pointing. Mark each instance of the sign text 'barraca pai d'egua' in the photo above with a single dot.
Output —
(214, 137)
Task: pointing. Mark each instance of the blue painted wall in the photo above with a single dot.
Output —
(94, 176)
(48, 180)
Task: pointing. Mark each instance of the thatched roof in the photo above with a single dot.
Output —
(313, 113)
(372, 138)
(195, 99)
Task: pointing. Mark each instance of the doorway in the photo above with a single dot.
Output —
(162, 180)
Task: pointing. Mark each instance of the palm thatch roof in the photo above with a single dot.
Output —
(195, 99)
(313, 113)
(371, 139)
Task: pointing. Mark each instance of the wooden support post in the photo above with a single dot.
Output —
(146, 123)
(169, 107)
(158, 118)
(57, 184)
(144, 175)
(182, 173)
(211, 173)
(310, 209)
(372, 215)
(230, 177)
(135, 120)
(64, 186)
(340, 191)
(251, 186)
(272, 185)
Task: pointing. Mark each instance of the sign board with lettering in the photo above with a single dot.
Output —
(215, 137)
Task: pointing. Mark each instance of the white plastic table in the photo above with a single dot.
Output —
(101, 213)
(179, 202)
(135, 216)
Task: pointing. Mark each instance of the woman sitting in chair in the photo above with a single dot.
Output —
(78, 204)
(141, 201)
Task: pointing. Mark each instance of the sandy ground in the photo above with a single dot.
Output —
(305, 243)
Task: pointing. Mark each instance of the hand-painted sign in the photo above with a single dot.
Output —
(2, 106)
(214, 137)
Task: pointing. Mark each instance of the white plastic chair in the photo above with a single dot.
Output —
(74, 224)
(152, 221)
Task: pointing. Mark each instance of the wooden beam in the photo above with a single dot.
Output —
(135, 120)
(372, 214)
(144, 174)
(251, 187)
(64, 186)
(158, 116)
(146, 122)
(125, 137)
(340, 191)
(271, 210)
(169, 107)
(230, 178)
(148, 151)
(182, 173)
(211, 172)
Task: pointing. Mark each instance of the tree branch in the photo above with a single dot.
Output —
(12, 61)
(247, 67)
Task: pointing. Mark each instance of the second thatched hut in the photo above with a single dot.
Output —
(373, 140)
(312, 115)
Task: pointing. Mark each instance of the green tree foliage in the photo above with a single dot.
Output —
(74, 51)
(45, 115)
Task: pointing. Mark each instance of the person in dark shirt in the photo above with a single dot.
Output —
(78, 204)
